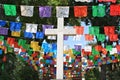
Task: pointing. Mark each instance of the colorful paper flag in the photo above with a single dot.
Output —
(2, 23)
(114, 50)
(89, 37)
(1, 38)
(15, 26)
(47, 27)
(115, 10)
(10, 10)
(109, 30)
(39, 35)
(1, 52)
(79, 30)
(94, 30)
(16, 34)
(28, 35)
(113, 1)
(98, 11)
(27, 10)
(101, 37)
(3, 31)
(88, 48)
(113, 37)
(62, 11)
(45, 11)
(31, 27)
(80, 11)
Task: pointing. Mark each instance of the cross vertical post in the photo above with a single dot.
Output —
(60, 32)
(60, 45)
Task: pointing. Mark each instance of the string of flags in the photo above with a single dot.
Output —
(32, 31)
(62, 11)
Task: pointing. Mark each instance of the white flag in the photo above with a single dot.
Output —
(114, 50)
(31, 27)
(62, 11)
(88, 48)
(27, 10)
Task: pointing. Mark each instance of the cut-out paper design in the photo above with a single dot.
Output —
(10, 10)
(3, 31)
(62, 11)
(15, 26)
(27, 10)
(80, 11)
(115, 10)
(98, 11)
(45, 11)
(31, 27)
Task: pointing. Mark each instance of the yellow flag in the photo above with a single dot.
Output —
(36, 48)
(34, 44)
(15, 33)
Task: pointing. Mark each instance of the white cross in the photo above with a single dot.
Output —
(60, 32)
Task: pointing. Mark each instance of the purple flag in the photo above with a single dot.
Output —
(47, 27)
(45, 11)
(65, 37)
(3, 31)
(77, 47)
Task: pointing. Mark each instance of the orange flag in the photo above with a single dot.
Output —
(89, 37)
(80, 11)
(79, 30)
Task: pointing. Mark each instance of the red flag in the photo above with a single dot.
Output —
(89, 37)
(79, 30)
(113, 1)
(104, 51)
(10, 41)
(109, 30)
(114, 10)
(35, 54)
(113, 37)
(118, 47)
(80, 11)
(4, 58)
(98, 48)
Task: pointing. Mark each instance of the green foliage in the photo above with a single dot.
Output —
(16, 69)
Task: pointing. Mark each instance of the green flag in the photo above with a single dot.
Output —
(10, 10)
(26, 46)
(94, 52)
(94, 30)
(30, 51)
(1, 38)
(76, 52)
(21, 42)
(109, 47)
(98, 11)
(2, 67)
(101, 37)
(91, 57)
